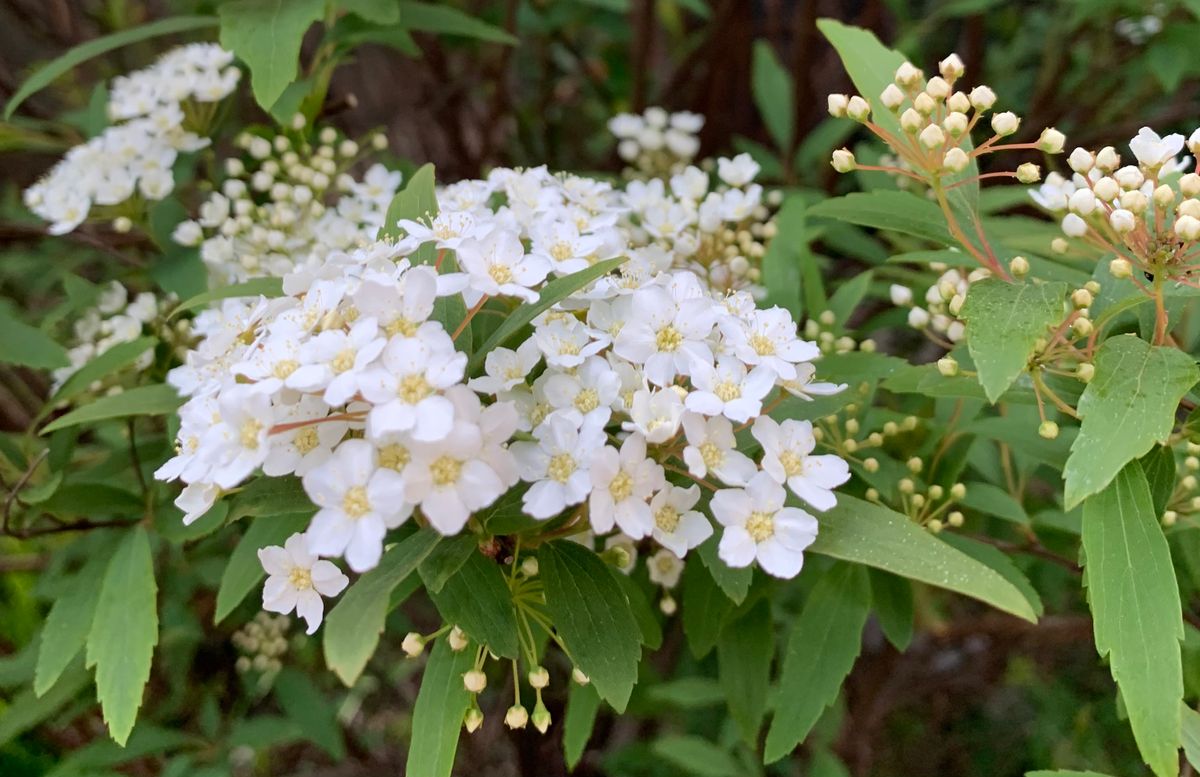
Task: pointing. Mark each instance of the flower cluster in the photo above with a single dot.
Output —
(162, 111)
(656, 143)
(943, 300)
(117, 319)
(287, 204)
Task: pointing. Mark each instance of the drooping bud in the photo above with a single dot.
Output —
(836, 104)
(1051, 141)
(1048, 430)
(413, 644)
(516, 717)
(539, 678)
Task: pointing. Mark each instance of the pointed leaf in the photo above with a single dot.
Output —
(582, 705)
(1004, 322)
(159, 399)
(68, 624)
(266, 35)
(744, 653)
(476, 599)
(244, 570)
(438, 714)
(773, 95)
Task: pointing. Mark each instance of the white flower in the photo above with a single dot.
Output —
(677, 526)
(728, 389)
(589, 391)
(238, 444)
(759, 526)
(787, 457)
(561, 244)
(405, 387)
(1154, 151)
(803, 386)
(711, 448)
(296, 580)
(557, 464)
(656, 415)
(622, 482)
(664, 567)
(768, 337)
(334, 361)
(566, 342)
(496, 265)
(300, 449)
(359, 502)
(666, 335)
(506, 368)
(738, 171)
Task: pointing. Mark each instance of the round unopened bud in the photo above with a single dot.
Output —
(958, 491)
(1059, 245)
(1192, 463)
(1074, 226)
(1005, 123)
(836, 104)
(1029, 173)
(1081, 160)
(1082, 201)
(918, 500)
(413, 644)
(915, 464)
(843, 160)
(298, 121)
(983, 98)
(1085, 372)
(1170, 517)
(858, 108)
(906, 486)
(667, 605)
(541, 717)
(908, 74)
(1187, 228)
(956, 303)
(1122, 221)
(1048, 430)
(955, 519)
(457, 639)
(947, 366)
(937, 88)
(934, 525)
(892, 97)
(516, 717)
(1120, 268)
(911, 121)
(379, 141)
(122, 224)
(955, 123)
(474, 681)
(472, 720)
(1018, 266)
(955, 160)
(1051, 141)
(1130, 177)
(1134, 201)
(871, 465)
(932, 137)
(924, 104)
(539, 678)
(1189, 184)
(951, 67)
(1189, 207)
(959, 102)
(1106, 189)
(1107, 159)
(1163, 196)
(579, 677)
(1081, 298)
(936, 492)
(529, 566)
(872, 495)
(1082, 327)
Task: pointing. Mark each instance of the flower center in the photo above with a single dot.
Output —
(394, 456)
(413, 388)
(762, 345)
(306, 439)
(712, 454)
(401, 326)
(343, 361)
(285, 367)
(667, 518)
(300, 578)
(668, 338)
(445, 470)
(561, 251)
(727, 391)
(587, 400)
(792, 464)
(568, 348)
(355, 503)
(248, 435)
(621, 487)
(761, 526)
(501, 273)
(561, 467)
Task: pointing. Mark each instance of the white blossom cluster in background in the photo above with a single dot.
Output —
(656, 143)
(619, 408)
(162, 111)
(288, 204)
(942, 303)
(114, 320)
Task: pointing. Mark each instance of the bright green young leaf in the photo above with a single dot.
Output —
(112, 360)
(591, 615)
(28, 346)
(448, 20)
(871, 534)
(94, 48)
(255, 287)
(822, 648)
(124, 632)
(773, 95)
(26, 709)
(477, 599)
(159, 399)
(582, 705)
(870, 65)
(415, 202)
(744, 652)
(438, 714)
(553, 292)
(243, 571)
(696, 756)
(353, 626)
(895, 211)
(1136, 612)
(1004, 322)
(266, 35)
(849, 295)
(68, 624)
(315, 715)
(1129, 405)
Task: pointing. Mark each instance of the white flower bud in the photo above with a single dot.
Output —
(959, 102)
(951, 67)
(1018, 266)
(937, 88)
(843, 160)
(1048, 430)
(1108, 159)
(1122, 221)
(1074, 226)
(1120, 268)
(1189, 184)
(541, 717)
(1081, 298)
(473, 720)
(1005, 123)
(908, 75)
(924, 104)
(1187, 228)
(918, 318)
(837, 104)
(1189, 207)
(1059, 245)
(579, 677)
(1085, 372)
(1029, 173)
(892, 97)
(516, 717)
(457, 639)
(1082, 201)
(902, 296)
(122, 224)
(955, 123)
(955, 518)
(1081, 160)
(955, 160)
(858, 109)
(1082, 327)
(1130, 177)
(539, 678)
(1163, 196)
(413, 644)
(911, 121)
(947, 366)
(1106, 189)
(983, 98)
(475, 681)
(932, 137)
(1051, 141)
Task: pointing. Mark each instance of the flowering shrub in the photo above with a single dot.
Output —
(574, 410)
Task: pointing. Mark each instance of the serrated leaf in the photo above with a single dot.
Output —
(696, 756)
(643, 613)
(1004, 322)
(448, 20)
(773, 95)
(68, 624)
(582, 705)
(266, 35)
(744, 652)
(353, 626)
(785, 255)
(94, 48)
(26, 709)
(378, 11)
(821, 649)
(592, 617)
(1159, 466)
(871, 534)
(124, 632)
(438, 714)
(1136, 612)
(1127, 407)
(476, 599)
(446, 559)
(1190, 734)
(28, 346)
(895, 211)
(255, 287)
(417, 201)
(243, 570)
(159, 399)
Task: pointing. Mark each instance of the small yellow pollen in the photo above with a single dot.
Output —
(587, 400)
(728, 391)
(621, 487)
(285, 367)
(712, 454)
(306, 439)
(401, 326)
(762, 345)
(667, 518)
(445, 470)
(792, 464)
(355, 503)
(394, 456)
(300, 578)
(561, 467)
(413, 388)
(561, 251)
(501, 273)
(343, 361)
(761, 526)
(668, 338)
(248, 434)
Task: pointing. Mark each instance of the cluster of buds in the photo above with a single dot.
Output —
(844, 432)
(656, 143)
(929, 506)
(1185, 501)
(938, 319)
(262, 643)
(927, 124)
(823, 330)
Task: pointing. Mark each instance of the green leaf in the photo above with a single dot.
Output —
(744, 653)
(773, 95)
(696, 756)
(124, 632)
(1004, 322)
(446, 559)
(417, 201)
(266, 35)
(821, 649)
(26, 710)
(870, 64)
(244, 570)
(270, 496)
(438, 714)
(999, 561)
(704, 609)
(1064, 773)
(1159, 466)
(112, 360)
(1129, 405)
(378, 11)
(313, 713)
(94, 48)
(1190, 734)
(159, 399)
(687, 693)
(68, 624)
(643, 613)
(735, 583)
(28, 346)
(592, 618)
(448, 20)
(849, 295)
(353, 627)
(871, 534)
(582, 705)
(255, 287)
(892, 602)
(895, 211)
(1136, 612)
(552, 293)
(785, 255)
(477, 600)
